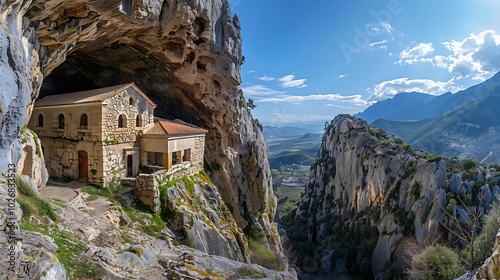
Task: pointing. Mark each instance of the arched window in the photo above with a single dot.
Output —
(84, 121)
(122, 120)
(138, 121)
(131, 101)
(40, 120)
(60, 121)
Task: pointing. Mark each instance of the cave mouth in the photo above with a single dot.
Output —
(122, 64)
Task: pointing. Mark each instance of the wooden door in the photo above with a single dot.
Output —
(83, 164)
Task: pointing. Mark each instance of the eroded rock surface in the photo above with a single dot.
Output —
(186, 54)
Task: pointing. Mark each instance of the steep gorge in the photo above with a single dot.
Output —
(366, 195)
(186, 54)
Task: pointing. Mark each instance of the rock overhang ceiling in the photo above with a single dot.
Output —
(185, 54)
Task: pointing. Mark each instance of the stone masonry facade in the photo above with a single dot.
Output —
(96, 136)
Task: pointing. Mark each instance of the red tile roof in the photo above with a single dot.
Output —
(175, 127)
(89, 96)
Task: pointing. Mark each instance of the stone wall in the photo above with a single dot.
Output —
(114, 160)
(120, 104)
(197, 155)
(147, 185)
(61, 158)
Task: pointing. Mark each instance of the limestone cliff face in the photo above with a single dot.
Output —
(366, 194)
(186, 54)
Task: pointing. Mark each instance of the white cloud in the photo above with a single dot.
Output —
(338, 106)
(390, 88)
(477, 56)
(260, 90)
(341, 76)
(355, 99)
(266, 78)
(251, 71)
(379, 28)
(288, 82)
(381, 44)
(415, 54)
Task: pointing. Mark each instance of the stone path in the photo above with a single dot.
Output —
(64, 192)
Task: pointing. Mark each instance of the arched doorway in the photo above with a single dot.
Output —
(83, 165)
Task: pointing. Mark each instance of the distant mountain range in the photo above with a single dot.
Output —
(466, 124)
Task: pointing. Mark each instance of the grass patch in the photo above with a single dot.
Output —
(156, 225)
(31, 204)
(68, 253)
(204, 177)
(165, 214)
(96, 191)
(189, 185)
(262, 255)
(248, 271)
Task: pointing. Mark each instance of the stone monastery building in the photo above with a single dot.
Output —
(98, 134)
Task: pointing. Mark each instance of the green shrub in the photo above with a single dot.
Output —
(216, 166)
(468, 164)
(434, 159)
(415, 190)
(436, 262)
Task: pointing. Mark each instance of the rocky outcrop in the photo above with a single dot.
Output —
(186, 54)
(202, 219)
(32, 162)
(491, 267)
(367, 192)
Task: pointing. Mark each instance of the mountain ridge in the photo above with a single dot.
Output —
(459, 125)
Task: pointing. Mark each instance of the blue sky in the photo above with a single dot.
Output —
(312, 60)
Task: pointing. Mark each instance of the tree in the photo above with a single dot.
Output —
(467, 231)
(485, 242)
(250, 104)
(435, 262)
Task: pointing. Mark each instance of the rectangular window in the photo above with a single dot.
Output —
(187, 155)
